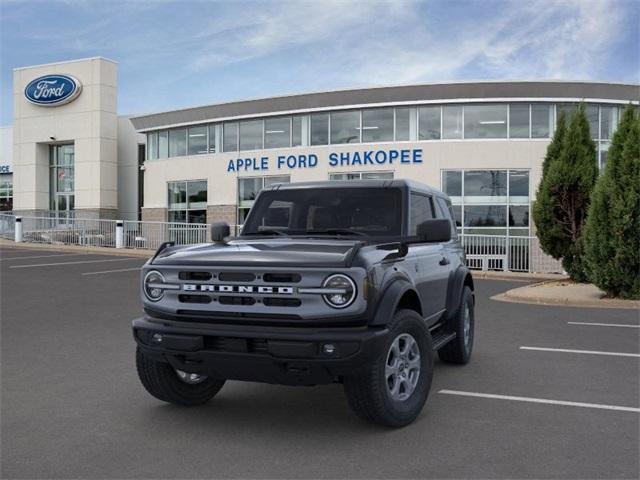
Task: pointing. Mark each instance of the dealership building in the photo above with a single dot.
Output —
(482, 143)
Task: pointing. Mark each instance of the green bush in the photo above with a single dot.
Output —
(612, 233)
(569, 174)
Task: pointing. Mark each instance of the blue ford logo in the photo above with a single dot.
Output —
(53, 90)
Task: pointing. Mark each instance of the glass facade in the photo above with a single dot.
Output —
(384, 124)
(61, 179)
(6, 192)
(248, 189)
(187, 201)
(361, 176)
(489, 202)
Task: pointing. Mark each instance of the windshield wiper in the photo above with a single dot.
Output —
(267, 231)
(336, 231)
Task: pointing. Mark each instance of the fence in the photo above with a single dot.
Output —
(484, 252)
(516, 254)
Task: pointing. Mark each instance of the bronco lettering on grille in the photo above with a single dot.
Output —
(192, 287)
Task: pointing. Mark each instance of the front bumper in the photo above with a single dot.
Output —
(289, 356)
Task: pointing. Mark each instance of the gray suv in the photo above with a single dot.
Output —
(354, 282)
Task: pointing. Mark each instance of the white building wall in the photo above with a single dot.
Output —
(90, 122)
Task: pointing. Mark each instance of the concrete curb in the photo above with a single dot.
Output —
(518, 276)
(126, 252)
(545, 293)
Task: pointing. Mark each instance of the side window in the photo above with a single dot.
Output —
(446, 210)
(420, 209)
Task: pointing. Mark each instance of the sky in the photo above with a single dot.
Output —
(176, 54)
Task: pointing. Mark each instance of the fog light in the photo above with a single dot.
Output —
(329, 348)
(157, 338)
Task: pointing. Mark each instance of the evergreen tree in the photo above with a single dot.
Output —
(612, 233)
(563, 197)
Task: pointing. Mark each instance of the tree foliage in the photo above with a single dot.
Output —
(612, 233)
(569, 174)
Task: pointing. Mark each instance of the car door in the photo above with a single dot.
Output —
(431, 262)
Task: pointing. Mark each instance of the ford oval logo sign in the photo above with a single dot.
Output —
(53, 90)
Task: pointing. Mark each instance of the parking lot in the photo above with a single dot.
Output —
(550, 392)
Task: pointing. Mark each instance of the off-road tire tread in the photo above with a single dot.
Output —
(365, 393)
(453, 352)
(161, 381)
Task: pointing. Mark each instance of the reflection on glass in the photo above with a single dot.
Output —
(296, 131)
(230, 137)
(485, 121)
(152, 146)
(519, 216)
(403, 124)
(429, 123)
(197, 194)
(452, 121)
(485, 216)
(320, 129)
(608, 122)
(519, 120)
(485, 183)
(178, 142)
(197, 140)
(277, 132)
(541, 120)
(177, 195)
(251, 135)
(345, 127)
(163, 144)
(519, 184)
(377, 125)
(452, 183)
(212, 139)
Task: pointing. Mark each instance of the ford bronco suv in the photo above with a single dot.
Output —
(355, 282)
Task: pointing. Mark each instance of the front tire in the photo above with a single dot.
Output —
(459, 349)
(173, 386)
(392, 390)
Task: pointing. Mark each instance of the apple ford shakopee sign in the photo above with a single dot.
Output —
(53, 90)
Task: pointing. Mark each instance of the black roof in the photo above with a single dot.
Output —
(333, 184)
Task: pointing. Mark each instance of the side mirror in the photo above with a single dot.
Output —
(435, 230)
(219, 231)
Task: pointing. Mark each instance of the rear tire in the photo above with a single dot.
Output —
(459, 349)
(165, 383)
(388, 391)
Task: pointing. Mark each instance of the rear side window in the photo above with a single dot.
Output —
(420, 210)
(446, 210)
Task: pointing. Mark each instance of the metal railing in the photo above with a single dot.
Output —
(152, 234)
(69, 231)
(7, 226)
(515, 254)
(484, 252)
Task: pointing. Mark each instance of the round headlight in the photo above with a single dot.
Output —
(343, 291)
(150, 288)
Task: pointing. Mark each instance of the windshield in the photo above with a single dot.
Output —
(339, 211)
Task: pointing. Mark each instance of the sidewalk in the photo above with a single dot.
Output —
(566, 293)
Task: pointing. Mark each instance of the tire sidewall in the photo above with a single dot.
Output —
(467, 300)
(408, 321)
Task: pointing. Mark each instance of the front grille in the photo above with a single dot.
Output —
(236, 277)
(229, 300)
(195, 276)
(282, 277)
(194, 298)
(282, 302)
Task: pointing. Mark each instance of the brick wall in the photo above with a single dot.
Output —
(154, 214)
(221, 213)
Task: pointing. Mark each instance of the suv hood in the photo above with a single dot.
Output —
(271, 252)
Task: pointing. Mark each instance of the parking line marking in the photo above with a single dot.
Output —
(42, 256)
(605, 324)
(75, 263)
(541, 400)
(113, 271)
(589, 352)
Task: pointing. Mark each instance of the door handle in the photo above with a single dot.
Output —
(444, 261)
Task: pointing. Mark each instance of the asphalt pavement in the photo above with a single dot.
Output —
(551, 392)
